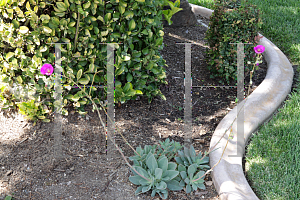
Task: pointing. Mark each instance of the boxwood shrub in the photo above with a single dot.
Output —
(29, 30)
(232, 21)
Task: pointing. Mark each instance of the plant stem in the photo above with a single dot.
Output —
(105, 113)
(226, 131)
(109, 136)
(138, 153)
(76, 34)
(218, 143)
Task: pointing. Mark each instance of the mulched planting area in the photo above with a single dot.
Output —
(29, 170)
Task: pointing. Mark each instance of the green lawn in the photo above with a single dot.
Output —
(273, 158)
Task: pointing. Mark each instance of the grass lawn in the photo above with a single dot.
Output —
(273, 158)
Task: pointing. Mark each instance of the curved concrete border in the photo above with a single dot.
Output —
(228, 176)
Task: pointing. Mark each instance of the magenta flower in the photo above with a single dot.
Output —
(257, 64)
(47, 69)
(259, 49)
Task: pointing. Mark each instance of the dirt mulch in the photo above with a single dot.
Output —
(27, 166)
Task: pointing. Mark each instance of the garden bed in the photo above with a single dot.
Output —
(28, 170)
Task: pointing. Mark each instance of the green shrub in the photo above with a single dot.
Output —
(237, 25)
(231, 4)
(29, 29)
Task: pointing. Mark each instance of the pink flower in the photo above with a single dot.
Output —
(257, 64)
(47, 69)
(259, 49)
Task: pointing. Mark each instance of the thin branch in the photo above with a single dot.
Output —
(76, 34)
(215, 164)
(218, 143)
(139, 155)
(223, 134)
(109, 135)
(106, 114)
(226, 131)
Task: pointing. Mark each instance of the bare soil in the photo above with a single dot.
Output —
(29, 171)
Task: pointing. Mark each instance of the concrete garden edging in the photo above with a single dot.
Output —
(228, 176)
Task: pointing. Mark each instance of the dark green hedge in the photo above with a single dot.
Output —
(231, 22)
(29, 29)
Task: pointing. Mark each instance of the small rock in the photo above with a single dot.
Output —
(208, 183)
(200, 140)
(9, 172)
(72, 168)
(201, 193)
